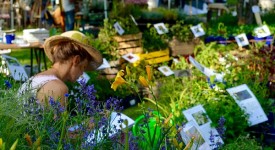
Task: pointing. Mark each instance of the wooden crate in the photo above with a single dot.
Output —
(182, 48)
(130, 43)
(154, 57)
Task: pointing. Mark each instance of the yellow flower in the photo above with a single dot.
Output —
(118, 81)
(143, 81)
(149, 74)
(28, 139)
(128, 71)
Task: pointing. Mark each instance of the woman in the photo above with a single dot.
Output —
(71, 55)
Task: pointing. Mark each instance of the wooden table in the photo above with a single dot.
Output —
(36, 48)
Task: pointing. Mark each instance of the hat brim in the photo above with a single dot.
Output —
(97, 59)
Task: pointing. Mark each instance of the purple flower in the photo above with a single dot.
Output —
(57, 108)
(67, 95)
(113, 103)
(8, 84)
(221, 128)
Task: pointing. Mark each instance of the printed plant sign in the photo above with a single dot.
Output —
(165, 70)
(118, 28)
(189, 132)
(161, 28)
(197, 30)
(249, 103)
(202, 122)
(262, 31)
(130, 57)
(206, 71)
(200, 117)
(241, 40)
(104, 65)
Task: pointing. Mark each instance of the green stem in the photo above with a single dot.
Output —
(64, 119)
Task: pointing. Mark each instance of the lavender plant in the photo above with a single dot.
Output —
(52, 126)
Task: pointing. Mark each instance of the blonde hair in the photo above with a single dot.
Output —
(64, 50)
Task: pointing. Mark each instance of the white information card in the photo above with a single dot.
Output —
(249, 103)
(202, 123)
(208, 72)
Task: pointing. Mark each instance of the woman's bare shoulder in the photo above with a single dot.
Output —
(55, 89)
(56, 85)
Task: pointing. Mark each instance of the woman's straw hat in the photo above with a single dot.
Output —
(78, 38)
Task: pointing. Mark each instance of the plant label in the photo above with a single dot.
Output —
(165, 70)
(134, 20)
(202, 122)
(118, 28)
(249, 103)
(104, 65)
(190, 131)
(206, 71)
(130, 57)
(262, 31)
(84, 77)
(17, 71)
(116, 123)
(161, 28)
(241, 40)
(197, 30)
(255, 9)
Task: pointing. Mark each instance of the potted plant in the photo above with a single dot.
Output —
(182, 42)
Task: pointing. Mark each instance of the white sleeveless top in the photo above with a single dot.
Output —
(34, 84)
(28, 92)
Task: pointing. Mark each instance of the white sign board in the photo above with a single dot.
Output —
(249, 103)
(161, 28)
(262, 31)
(15, 69)
(118, 28)
(206, 71)
(197, 30)
(198, 115)
(241, 40)
(255, 9)
(104, 65)
(165, 70)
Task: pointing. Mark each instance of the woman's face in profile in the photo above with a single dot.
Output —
(78, 69)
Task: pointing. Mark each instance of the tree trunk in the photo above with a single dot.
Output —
(245, 14)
